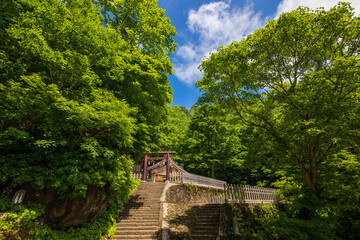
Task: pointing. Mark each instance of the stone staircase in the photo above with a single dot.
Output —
(140, 218)
(207, 222)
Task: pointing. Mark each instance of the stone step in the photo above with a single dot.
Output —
(150, 192)
(139, 217)
(149, 206)
(140, 211)
(144, 203)
(137, 222)
(149, 203)
(137, 206)
(147, 236)
(149, 188)
(135, 226)
(140, 227)
(137, 232)
(141, 206)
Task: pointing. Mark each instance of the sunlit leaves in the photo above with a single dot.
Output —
(296, 80)
(78, 97)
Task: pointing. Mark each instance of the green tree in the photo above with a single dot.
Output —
(174, 129)
(78, 96)
(297, 81)
(140, 75)
(210, 143)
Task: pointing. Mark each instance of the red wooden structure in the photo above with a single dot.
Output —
(156, 156)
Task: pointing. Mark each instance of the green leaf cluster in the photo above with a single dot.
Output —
(296, 81)
(83, 89)
(295, 84)
(268, 222)
(21, 217)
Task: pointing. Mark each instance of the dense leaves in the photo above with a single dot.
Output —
(209, 142)
(296, 84)
(297, 80)
(79, 96)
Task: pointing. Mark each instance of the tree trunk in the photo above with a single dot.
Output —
(212, 170)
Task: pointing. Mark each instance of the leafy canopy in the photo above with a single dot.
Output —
(296, 80)
(83, 88)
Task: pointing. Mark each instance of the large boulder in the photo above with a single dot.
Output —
(60, 212)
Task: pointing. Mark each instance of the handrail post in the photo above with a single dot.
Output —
(145, 168)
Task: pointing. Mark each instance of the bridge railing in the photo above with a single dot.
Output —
(250, 194)
(202, 181)
(176, 177)
(137, 175)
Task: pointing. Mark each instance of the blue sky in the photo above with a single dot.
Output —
(204, 25)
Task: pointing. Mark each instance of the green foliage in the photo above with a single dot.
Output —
(5, 204)
(25, 219)
(174, 129)
(21, 217)
(267, 222)
(296, 83)
(93, 230)
(210, 140)
(96, 228)
(83, 91)
(214, 142)
(78, 98)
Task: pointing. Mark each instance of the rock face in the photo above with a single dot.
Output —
(73, 212)
(68, 212)
(186, 193)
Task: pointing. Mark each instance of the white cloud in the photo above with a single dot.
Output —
(289, 5)
(187, 52)
(215, 24)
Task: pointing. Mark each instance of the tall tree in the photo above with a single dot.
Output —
(78, 96)
(141, 77)
(210, 143)
(298, 81)
(174, 129)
